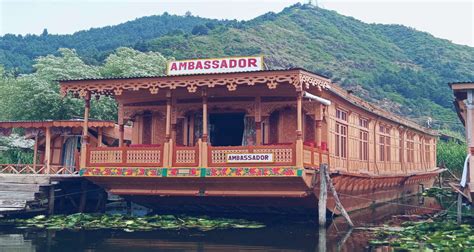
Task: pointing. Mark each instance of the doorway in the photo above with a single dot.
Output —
(226, 129)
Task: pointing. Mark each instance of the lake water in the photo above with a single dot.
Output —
(280, 234)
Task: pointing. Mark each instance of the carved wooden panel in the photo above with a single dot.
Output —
(105, 157)
(299, 79)
(143, 156)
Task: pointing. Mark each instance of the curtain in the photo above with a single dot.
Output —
(69, 151)
(198, 128)
(249, 135)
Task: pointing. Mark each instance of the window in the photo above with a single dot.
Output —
(341, 115)
(410, 149)
(364, 139)
(427, 151)
(341, 134)
(384, 143)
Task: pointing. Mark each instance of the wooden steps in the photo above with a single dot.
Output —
(23, 193)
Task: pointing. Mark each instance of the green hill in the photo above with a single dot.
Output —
(403, 70)
(18, 52)
(399, 68)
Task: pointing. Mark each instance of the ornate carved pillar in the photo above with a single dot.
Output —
(203, 144)
(318, 124)
(121, 123)
(258, 121)
(299, 129)
(85, 129)
(167, 149)
(99, 136)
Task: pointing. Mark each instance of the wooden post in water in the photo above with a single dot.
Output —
(339, 205)
(51, 198)
(82, 203)
(459, 212)
(322, 239)
(323, 196)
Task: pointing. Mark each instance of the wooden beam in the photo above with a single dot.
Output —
(299, 129)
(258, 120)
(203, 143)
(85, 130)
(204, 116)
(323, 195)
(99, 136)
(35, 152)
(121, 123)
(47, 157)
(82, 202)
(51, 200)
(168, 115)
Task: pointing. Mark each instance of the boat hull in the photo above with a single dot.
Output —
(286, 192)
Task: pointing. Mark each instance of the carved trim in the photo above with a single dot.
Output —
(129, 112)
(116, 87)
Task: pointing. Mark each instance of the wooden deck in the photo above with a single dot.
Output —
(26, 193)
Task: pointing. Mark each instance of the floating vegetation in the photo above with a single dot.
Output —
(432, 235)
(131, 224)
(438, 192)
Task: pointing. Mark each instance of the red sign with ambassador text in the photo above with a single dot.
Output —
(221, 65)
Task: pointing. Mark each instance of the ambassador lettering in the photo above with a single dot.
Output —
(250, 158)
(214, 64)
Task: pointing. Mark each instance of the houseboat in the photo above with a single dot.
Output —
(57, 143)
(214, 136)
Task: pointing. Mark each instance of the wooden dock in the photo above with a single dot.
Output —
(28, 193)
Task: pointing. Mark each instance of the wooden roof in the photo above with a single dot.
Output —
(55, 123)
(299, 78)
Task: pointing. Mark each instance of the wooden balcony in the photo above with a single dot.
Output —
(124, 156)
(282, 155)
(313, 156)
(37, 169)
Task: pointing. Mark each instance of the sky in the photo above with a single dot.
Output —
(448, 19)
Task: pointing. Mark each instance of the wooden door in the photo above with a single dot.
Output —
(147, 126)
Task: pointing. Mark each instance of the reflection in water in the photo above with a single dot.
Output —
(281, 233)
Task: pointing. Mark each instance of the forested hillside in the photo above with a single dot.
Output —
(18, 52)
(401, 69)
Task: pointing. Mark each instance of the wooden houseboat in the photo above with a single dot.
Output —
(57, 143)
(252, 141)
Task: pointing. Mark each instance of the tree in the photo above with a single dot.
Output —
(125, 62)
(200, 30)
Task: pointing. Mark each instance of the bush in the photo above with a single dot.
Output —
(452, 155)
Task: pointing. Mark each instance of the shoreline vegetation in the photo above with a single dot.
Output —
(438, 232)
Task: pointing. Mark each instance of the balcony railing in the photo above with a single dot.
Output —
(282, 155)
(185, 156)
(36, 169)
(313, 156)
(217, 156)
(124, 156)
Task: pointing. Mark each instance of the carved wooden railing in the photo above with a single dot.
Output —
(36, 169)
(283, 155)
(124, 156)
(185, 156)
(314, 156)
